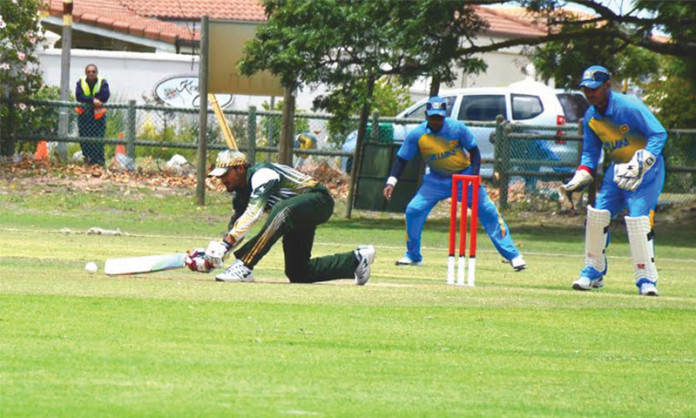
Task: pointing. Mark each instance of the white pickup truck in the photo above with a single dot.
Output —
(525, 102)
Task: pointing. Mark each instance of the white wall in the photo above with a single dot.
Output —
(504, 67)
(132, 74)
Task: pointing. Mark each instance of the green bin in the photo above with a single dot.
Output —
(374, 170)
(385, 133)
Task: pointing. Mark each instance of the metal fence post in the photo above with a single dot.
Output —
(7, 138)
(10, 142)
(252, 134)
(374, 137)
(130, 147)
(502, 160)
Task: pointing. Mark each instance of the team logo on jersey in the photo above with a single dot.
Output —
(623, 128)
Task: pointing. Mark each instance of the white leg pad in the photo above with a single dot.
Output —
(596, 232)
(640, 238)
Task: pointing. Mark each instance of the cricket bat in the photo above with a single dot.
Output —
(146, 264)
(231, 143)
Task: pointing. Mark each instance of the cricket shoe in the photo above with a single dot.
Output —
(518, 263)
(585, 283)
(405, 261)
(590, 278)
(648, 289)
(236, 272)
(366, 256)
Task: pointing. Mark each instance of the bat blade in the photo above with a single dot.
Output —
(146, 264)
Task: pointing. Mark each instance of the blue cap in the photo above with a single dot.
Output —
(594, 77)
(436, 106)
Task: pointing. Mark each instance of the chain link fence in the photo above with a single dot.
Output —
(541, 159)
(519, 162)
(138, 133)
(536, 160)
(680, 159)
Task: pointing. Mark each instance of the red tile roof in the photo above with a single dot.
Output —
(502, 23)
(247, 10)
(539, 19)
(148, 18)
(114, 15)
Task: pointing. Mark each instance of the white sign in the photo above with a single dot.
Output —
(182, 91)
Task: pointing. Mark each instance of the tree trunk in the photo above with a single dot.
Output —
(357, 159)
(2, 139)
(287, 129)
(434, 85)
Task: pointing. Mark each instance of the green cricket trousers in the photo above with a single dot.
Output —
(296, 219)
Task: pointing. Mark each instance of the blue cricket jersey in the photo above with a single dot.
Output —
(442, 151)
(626, 126)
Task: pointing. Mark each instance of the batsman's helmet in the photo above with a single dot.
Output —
(225, 160)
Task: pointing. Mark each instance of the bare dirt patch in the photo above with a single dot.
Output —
(25, 173)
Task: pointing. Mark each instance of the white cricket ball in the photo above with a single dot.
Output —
(91, 267)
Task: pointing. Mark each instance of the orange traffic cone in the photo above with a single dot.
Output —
(120, 149)
(122, 160)
(41, 150)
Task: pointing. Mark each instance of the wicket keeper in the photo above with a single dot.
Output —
(633, 138)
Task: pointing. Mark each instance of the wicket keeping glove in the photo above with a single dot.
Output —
(581, 179)
(195, 260)
(216, 251)
(628, 176)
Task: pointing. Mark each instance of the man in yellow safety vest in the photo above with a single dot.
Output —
(92, 90)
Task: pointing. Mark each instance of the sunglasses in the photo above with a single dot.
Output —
(595, 76)
(436, 106)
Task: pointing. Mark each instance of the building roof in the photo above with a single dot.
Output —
(247, 10)
(509, 24)
(115, 15)
(152, 19)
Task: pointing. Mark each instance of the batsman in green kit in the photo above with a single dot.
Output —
(296, 204)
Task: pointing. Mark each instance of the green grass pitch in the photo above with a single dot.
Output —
(177, 343)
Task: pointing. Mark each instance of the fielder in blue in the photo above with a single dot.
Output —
(448, 147)
(633, 138)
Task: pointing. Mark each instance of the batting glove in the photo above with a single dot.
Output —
(216, 251)
(195, 260)
(628, 176)
(581, 179)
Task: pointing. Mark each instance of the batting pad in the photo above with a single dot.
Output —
(596, 232)
(640, 238)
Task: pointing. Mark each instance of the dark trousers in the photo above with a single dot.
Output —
(296, 220)
(89, 127)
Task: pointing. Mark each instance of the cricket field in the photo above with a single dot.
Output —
(176, 343)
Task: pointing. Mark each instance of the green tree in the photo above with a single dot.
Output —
(349, 45)
(270, 125)
(20, 77)
(671, 95)
(625, 41)
(679, 20)
(389, 98)
(38, 120)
